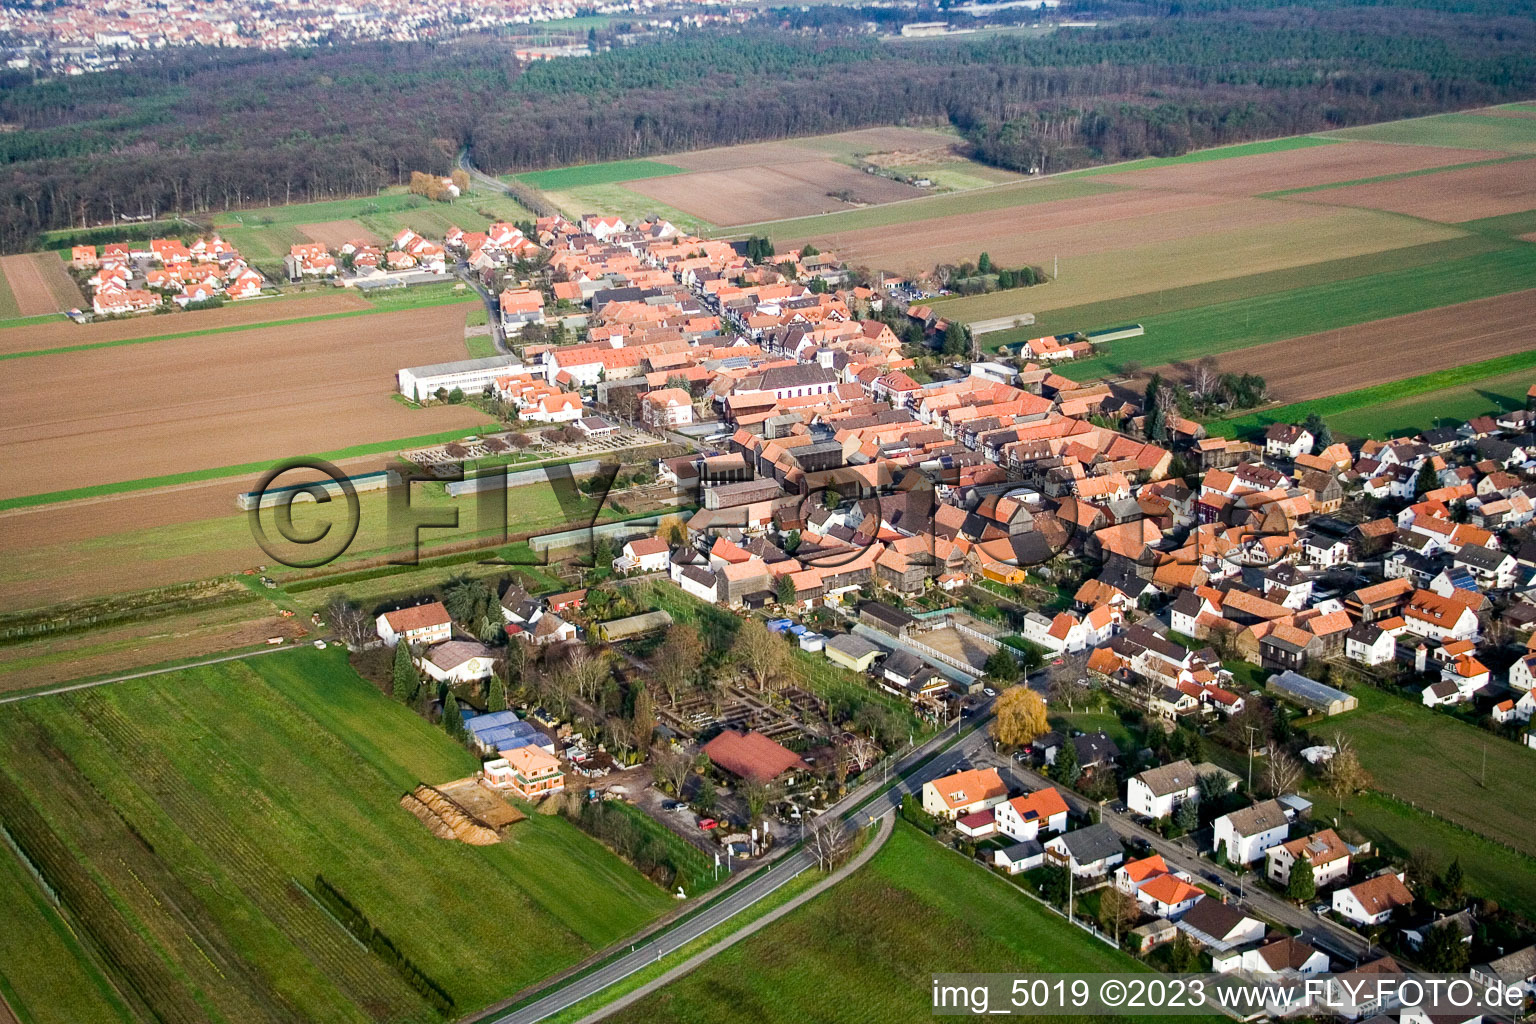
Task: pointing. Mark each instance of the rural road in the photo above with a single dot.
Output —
(883, 824)
(887, 797)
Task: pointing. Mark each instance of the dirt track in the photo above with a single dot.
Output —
(1296, 168)
(40, 283)
(1450, 197)
(1350, 358)
(100, 416)
(32, 337)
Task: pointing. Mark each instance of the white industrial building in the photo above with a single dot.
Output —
(421, 383)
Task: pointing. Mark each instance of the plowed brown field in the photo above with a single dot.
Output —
(33, 337)
(1450, 197)
(1296, 168)
(105, 415)
(334, 233)
(41, 283)
(1350, 358)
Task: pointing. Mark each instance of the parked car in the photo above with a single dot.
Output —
(1321, 909)
(989, 691)
(708, 823)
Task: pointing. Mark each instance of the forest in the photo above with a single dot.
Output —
(198, 130)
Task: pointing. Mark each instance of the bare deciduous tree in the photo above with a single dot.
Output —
(352, 625)
(829, 841)
(587, 671)
(1282, 773)
(671, 768)
(1064, 688)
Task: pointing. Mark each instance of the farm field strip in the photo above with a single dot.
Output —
(1295, 168)
(1480, 191)
(1201, 260)
(1416, 395)
(59, 333)
(1224, 327)
(239, 803)
(1134, 308)
(790, 231)
(1379, 178)
(321, 386)
(336, 233)
(1470, 130)
(39, 283)
(614, 172)
(1070, 229)
(8, 309)
(746, 194)
(1349, 358)
(1200, 156)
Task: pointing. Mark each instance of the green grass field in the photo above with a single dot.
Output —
(865, 951)
(1492, 870)
(1201, 156)
(1133, 308)
(197, 807)
(264, 234)
(1222, 327)
(610, 173)
(614, 200)
(1461, 131)
(1411, 404)
(1442, 769)
(44, 972)
(950, 204)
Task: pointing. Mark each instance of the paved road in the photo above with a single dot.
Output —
(1335, 938)
(888, 797)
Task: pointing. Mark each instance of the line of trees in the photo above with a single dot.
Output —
(198, 130)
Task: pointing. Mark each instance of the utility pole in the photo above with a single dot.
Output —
(1055, 267)
(1250, 761)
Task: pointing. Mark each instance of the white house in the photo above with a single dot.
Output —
(457, 661)
(1023, 817)
(955, 796)
(1157, 792)
(420, 626)
(1168, 896)
(647, 554)
(1020, 857)
(1245, 834)
(1522, 674)
(1219, 926)
(1288, 440)
(1372, 643)
(1372, 901)
(1325, 851)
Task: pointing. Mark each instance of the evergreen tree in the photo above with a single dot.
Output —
(1187, 817)
(406, 677)
(453, 720)
(786, 590)
(496, 696)
(1428, 480)
(1322, 435)
(984, 264)
(1455, 882)
(1302, 885)
(955, 341)
(1067, 770)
